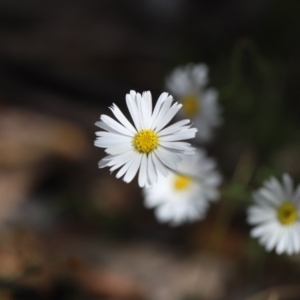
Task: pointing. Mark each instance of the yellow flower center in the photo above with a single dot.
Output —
(145, 141)
(287, 213)
(182, 182)
(190, 105)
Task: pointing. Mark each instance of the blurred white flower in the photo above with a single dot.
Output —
(200, 104)
(276, 216)
(147, 146)
(184, 196)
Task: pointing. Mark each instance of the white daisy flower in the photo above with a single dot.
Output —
(187, 84)
(148, 145)
(184, 196)
(276, 216)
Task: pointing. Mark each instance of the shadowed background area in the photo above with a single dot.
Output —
(72, 231)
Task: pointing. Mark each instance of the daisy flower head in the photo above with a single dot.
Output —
(146, 145)
(276, 216)
(184, 195)
(200, 104)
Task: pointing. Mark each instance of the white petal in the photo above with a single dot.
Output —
(273, 239)
(282, 244)
(162, 213)
(289, 239)
(269, 195)
(177, 145)
(288, 184)
(113, 147)
(122, 119)
(133, 169)
(102, 163)
(121, 158)
(167, 158)
(114, 136)
(115, 125)
(275, 186)
(143, 171)
(125, 168)
(168, 116)
(146, 109)
(142, 109)
(188, 134)
(133, 109)
(261, 230)
(159, 165)
(258, 214)
(296, 237)
(152, 175)
(116, 150)
(105, 126)
(161, 114)
(157, 107)
(173, 128)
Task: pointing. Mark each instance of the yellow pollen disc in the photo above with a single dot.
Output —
(182, 182)
(190, 105)
(145, 141)
(287, 213)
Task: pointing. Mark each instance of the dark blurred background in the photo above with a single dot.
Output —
(72, 231)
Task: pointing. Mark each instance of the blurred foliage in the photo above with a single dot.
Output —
(253, 100)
